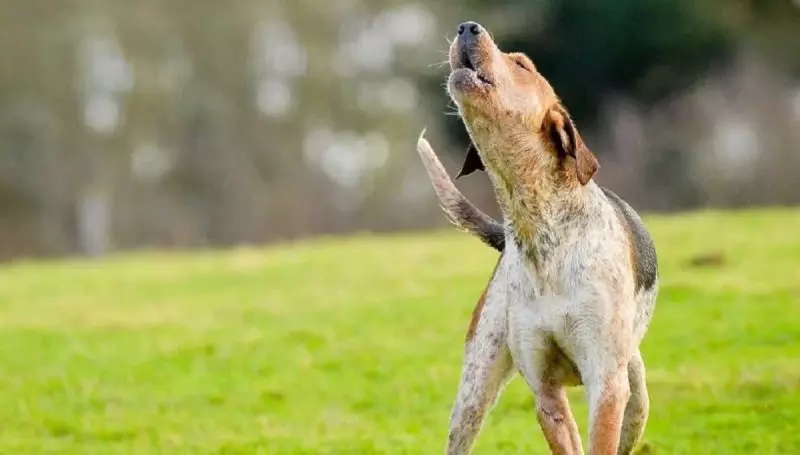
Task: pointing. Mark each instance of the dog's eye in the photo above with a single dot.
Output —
(521, 65)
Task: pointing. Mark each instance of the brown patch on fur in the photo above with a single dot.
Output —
(605, 433)
(641, 249)
(568, 143)
(557, 423)
(632, 253)
(523, 134)
(476, 312)
(506, 89)
(476, 315)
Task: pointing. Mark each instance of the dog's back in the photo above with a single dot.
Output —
(643, 250)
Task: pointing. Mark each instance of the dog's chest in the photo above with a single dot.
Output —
(586, 270)
(578, 257)
(547, 270)
(528, 279)
(536, 315)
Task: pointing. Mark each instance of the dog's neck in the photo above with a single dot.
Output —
(538, 200)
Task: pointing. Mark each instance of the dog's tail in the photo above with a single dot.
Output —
(458, 208)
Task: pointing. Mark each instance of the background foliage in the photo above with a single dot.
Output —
(180, 123)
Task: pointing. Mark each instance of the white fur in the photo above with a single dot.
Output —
(562, 307)
(579, 302)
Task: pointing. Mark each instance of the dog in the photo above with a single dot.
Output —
(574, 289)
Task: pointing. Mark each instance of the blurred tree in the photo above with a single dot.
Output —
(590, 49)
(597, 52)
(182, 122)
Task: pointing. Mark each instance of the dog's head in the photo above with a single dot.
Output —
(512, 113)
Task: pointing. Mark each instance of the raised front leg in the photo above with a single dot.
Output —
(637, 409)
(487, 368)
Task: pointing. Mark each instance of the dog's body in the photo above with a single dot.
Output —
(574, 289)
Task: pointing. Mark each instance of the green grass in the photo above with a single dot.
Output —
(353, 346)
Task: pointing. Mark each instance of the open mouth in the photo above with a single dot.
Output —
(466, 61)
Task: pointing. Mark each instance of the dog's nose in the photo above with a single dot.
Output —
(469, 30)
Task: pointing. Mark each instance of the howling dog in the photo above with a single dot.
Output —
(575, 286)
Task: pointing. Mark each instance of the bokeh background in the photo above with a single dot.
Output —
(220, 126)
(195, 123)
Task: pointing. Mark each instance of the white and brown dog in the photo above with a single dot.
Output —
(575, 286)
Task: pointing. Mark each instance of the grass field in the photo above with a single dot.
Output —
(354, 347)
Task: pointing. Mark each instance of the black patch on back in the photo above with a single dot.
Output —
(472, 162)
(645, 261)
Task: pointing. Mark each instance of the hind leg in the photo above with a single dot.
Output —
(637, 409)
(539, 366)
(541, 363)
(556, 420)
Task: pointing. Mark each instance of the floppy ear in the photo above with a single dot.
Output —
(472, 162)
(568, 142)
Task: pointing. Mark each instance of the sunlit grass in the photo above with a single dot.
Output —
(353, 346)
